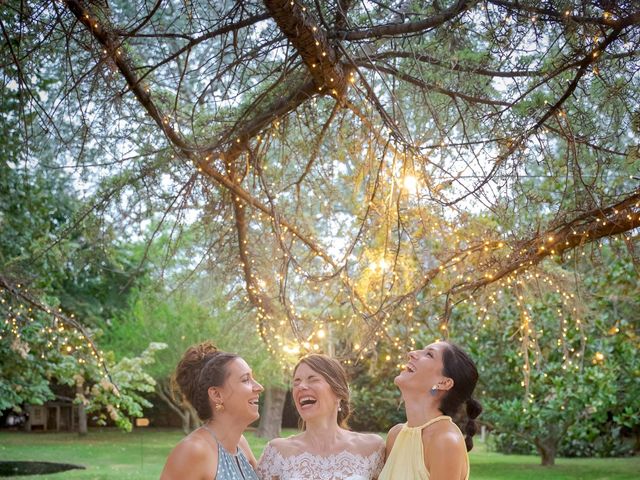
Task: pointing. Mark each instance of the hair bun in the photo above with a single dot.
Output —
(205, 349)
(473, 408)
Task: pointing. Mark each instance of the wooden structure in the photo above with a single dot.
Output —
(59, 415)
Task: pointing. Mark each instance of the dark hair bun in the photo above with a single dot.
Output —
(190, 366)
(471, 428)
(473, 408)
(202, 366)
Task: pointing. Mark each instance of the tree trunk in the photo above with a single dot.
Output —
(164, 392)
(82, 412)
(271, 419)
(82, 420)
(186, 422)
(27, 424)
(547, 448)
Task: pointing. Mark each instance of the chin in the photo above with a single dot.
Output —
(305, 418)
(398, 380)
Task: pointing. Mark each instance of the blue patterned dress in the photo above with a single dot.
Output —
(230, 466)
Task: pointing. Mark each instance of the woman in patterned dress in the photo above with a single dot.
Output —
(326, 449)
(221, 389)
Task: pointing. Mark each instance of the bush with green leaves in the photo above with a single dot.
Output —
(375, 404)
(44, 353)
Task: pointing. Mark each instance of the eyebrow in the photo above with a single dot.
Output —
(313, 375)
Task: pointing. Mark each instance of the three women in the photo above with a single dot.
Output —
(435, 384)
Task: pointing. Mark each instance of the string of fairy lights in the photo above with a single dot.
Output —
(278, 346)
(33, 328)
(319, 333)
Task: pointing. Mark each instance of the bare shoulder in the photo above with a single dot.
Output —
(192, 454)
(193, 446)
(391, 438)
(394, 431)
(287, 446)
(448, 441)
(365, 443)
(445, 453)
(443, 441)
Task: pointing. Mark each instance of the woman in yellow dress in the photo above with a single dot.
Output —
(435, 384)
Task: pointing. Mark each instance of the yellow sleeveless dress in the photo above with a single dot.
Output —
(406, 460)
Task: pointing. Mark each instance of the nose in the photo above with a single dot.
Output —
(412, 355)
(258, 387)
(300, 386)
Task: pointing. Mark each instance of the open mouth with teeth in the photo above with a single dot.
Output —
(254, 402)
(409, 368)
(306, 401)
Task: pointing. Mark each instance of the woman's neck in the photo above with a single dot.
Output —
(420, 408)
(322, 434)
(227, 431)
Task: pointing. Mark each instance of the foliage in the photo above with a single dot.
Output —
(569, 382)
(45, 354)
(365, 172)
(298, 168)
(181, 319)
(119, 396)
(50, 263)
(375, 403)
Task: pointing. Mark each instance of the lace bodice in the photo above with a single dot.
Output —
(307, 466)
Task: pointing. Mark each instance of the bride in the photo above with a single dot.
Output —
(325, 450)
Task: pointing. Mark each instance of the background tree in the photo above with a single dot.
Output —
(559, 374)
(42, 346)
(180, 319)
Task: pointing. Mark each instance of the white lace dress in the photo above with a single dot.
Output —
(307, 466)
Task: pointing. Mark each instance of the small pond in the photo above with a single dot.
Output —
(11, 469)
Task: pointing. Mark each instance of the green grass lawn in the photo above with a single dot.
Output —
(112, 455)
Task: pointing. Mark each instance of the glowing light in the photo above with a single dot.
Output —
(410, 183)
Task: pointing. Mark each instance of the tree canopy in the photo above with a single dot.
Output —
(348, 161)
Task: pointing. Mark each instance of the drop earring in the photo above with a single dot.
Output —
(434, 390)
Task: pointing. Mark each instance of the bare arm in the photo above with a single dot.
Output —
(445, 457)
(191, 459)
(391, 439)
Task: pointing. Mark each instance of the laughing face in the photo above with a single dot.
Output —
(240, 391)
(313, 395)
(423, 369)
